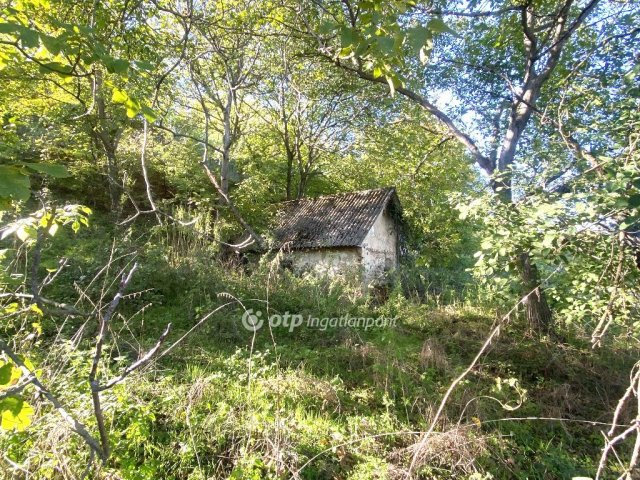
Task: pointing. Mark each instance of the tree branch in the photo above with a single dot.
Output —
(485, 13)
(76, 425)
(482, 160)
(93, 382)
(137, 364)
(234, 210)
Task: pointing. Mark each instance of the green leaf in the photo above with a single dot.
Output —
(119, 96)
(16, 414)
(55, 67)
(437, 26)
(634, 201)
(10, 374)
(347, 37)
(36, 309)
(57, 171)
(29, 38)
(386, 45)
(116, 65)
(345, 52)
(547, 241)
(52, 44)
(5, 203)
(133, 107)
(327, 26)
(143, 65)
(362, 48)
(10, 27)
(630, 222)
(417, 37)
(14, 183)
(149, 114)
(50, 264)
(5, 374)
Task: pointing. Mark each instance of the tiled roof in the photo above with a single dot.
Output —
(341, 220)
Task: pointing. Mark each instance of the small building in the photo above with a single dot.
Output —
(336, 234)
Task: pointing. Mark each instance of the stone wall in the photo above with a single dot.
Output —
(328, 261)
(380, 250)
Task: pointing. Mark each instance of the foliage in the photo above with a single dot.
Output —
(15, 412)
(509, 130)
(202, 412)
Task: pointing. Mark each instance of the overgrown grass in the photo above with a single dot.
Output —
(340, 403)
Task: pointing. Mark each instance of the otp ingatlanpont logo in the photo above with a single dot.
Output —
(252, 321)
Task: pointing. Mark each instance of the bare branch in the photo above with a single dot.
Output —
(93, 382)
(495, 332)
(76, 425)
(137, 364)
(485, 13)
(186, 135)
(59, 308)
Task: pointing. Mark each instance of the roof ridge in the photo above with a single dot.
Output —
(339, 194)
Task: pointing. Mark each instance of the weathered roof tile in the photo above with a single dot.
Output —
(341, 220)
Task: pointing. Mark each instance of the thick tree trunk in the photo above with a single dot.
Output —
(537, 311)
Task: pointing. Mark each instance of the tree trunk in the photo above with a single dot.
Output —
(224, 175)
(234, 211)
(106, 136)
(537, 311)
(284, 118)
(290, 158)
(227, 142)
(543, 43)
(115, 190)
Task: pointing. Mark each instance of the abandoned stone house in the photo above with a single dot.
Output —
(337, 234)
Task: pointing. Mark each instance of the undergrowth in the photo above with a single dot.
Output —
(342, 403)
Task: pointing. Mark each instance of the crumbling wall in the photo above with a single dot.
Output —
(326, 261)
(380, 250)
